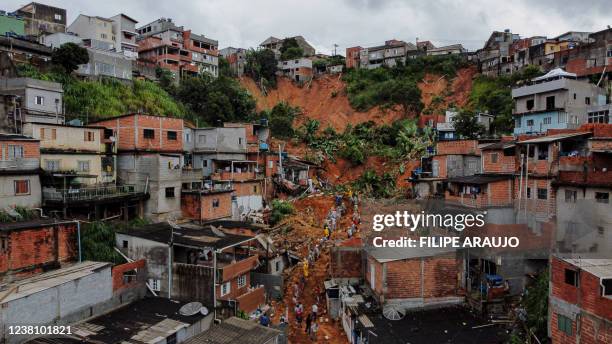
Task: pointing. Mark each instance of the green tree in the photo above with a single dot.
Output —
(290, 49)
(261, 66)
(280, 119)
(98, 243)
(467, 126)
(165, 78)
(69, 56)
(406, 93)
(214, 101)
(280, 209)
(536, 306)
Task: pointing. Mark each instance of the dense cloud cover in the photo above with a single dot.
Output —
(245, 23)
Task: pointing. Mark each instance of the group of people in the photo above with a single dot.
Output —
(312, 327)
(337, 211)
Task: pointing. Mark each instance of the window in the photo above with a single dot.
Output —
(53, 134)
(574, 95)
(3, 244)
(171, 339)
(170, 192)
(494, 158)
(172, 135)
(599, 116)
(148, 133)
(528, 193)
(240, 140)
(242, 281)
(570, 196)
(225, 288)
(587, 100)
(547, 120)
(22, 187)
(58, 17)
(542, 193)
(600, 230)
(542, 152)
(39, 100)
(277, 266)
(530, 104)
(108, 133)
(562, 117)
(202, 138)
(83, 166)
(550, 103)
(517, 122)
(564, 324)
(602, 197)
(530, 123)
(125, 244)
(270, 164)
(154, 284)
(42, 133)
(52, 165)
(15, 152)
(89, 136)
(204, 163)
(571, 277)
(254, 188)
(215, 203)
(103, 35)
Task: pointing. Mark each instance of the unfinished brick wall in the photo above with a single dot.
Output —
(30, 249)
(206, 206)
(247, 188)
(31, 149)
(117, 274)
(503, 164)
(427, 277)
(458, 147)
(594, 320)
(541, 208)
(251, 300)
(442, 169)
(129, 131)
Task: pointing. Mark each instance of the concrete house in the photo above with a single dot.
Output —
(41, 19)
(100, 38)
(495, 56)
(57, 39)
(196, 263)
(583, 189)
(275, 44)
(387, 54)
(299, 70)
(19, 171)
(453, 49)
(164, 44)
(236, 57)
(554, 101)
(31, 100)
(124, 32)
(149, 154)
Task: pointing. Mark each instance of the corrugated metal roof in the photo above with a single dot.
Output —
(553, 138)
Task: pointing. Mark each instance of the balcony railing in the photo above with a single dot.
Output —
(93, 193)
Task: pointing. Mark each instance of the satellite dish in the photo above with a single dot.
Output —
(192, 308)
(393, 312)
(204, 311)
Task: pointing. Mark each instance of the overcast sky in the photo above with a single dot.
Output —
(246, 23)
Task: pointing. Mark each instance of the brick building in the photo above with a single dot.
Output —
(163, 44)
(31, 247)
(206, 205)
(414, 278)
(40, 19)
(149, 154)
(580, 304)
(19, 171)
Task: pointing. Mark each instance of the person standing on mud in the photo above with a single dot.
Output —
(315, 309)
(308, 322)
(298, 314)
(326, 232)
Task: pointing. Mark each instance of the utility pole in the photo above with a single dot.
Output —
(335, 46)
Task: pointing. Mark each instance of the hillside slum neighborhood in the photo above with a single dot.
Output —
(207, 266)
